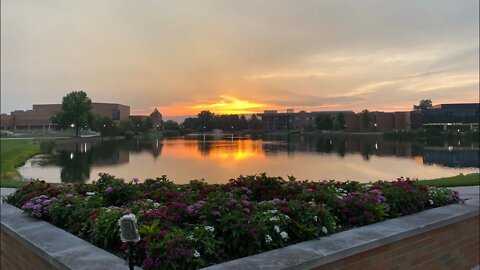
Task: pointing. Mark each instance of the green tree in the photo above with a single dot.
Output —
(126, 125)
(254, 123)
(339, 123)
(323, 122)
(366, 119)
(76, 107)
(171, 125)
(423, 104)
(205, 119)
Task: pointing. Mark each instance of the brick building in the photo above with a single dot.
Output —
(39, 118)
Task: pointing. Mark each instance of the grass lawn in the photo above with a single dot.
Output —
(14, 153)
(472, 179)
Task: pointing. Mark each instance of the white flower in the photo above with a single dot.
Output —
(156, 205)
(268, 238)
(286, 217)
(277, 229)
(324, 230)
(284, 235)
(431, 202)
(315, 218)
(190, 237)
(210, 228)
(274, 219)
(196, 254)
(90, 193)
(274, 211)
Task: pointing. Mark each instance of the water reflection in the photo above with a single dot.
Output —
(306, 157)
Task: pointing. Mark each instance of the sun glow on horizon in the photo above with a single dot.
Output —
(231, 105)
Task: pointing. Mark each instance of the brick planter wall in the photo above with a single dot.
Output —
(15, 255)
(455, 246)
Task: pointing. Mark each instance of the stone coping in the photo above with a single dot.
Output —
(66, 251)
(56, 246)
(315, 253)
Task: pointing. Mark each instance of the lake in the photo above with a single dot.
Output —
(359, 158)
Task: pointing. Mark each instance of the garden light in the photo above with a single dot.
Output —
(129, 234)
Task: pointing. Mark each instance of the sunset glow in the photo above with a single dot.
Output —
(187, 57)
(231, 105)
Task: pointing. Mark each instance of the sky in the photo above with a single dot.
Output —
(240, 56)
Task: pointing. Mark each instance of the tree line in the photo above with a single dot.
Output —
(208, 121)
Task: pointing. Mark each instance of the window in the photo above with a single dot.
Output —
(115, 114)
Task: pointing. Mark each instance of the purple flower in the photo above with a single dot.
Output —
(216, 213)
(109, 190)
(190, 209)
(135, 180)
(246, 210)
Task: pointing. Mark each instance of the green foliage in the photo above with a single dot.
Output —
(339, 122)
(193, 225)
(106, 231)
(324, 122)
(366, 119)
(404, 196)
(76, 107)
(423, 104)
(171, 125)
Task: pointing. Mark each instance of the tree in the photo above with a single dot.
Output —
(423, 104)
(76, 107)
(339, 123)
(366, 119)
(242, 123)
(254, 123)
(206, 120)
(323, 122)
(171, 125)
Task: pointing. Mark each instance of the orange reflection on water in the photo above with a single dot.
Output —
(218, 149)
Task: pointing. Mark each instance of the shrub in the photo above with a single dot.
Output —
(198, 224)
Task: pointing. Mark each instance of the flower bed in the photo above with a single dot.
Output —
(195, 225)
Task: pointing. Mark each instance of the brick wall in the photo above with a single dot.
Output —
(17, 256)
(455, 246)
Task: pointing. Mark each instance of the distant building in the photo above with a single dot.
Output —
(447, 116)
(156, 118)
(456, 116)
(39, 118)
(304, 121)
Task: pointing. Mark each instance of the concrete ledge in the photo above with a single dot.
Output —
(58, 248)
(318, 253)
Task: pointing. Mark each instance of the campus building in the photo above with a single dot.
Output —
(447, 116)
(39, 118)
(460, 116)
(275, 121)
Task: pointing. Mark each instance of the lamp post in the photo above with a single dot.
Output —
(204, 130)
(232, 133)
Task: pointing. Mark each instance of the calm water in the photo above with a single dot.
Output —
(314, 158)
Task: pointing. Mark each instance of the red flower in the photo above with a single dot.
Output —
(52, 192)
